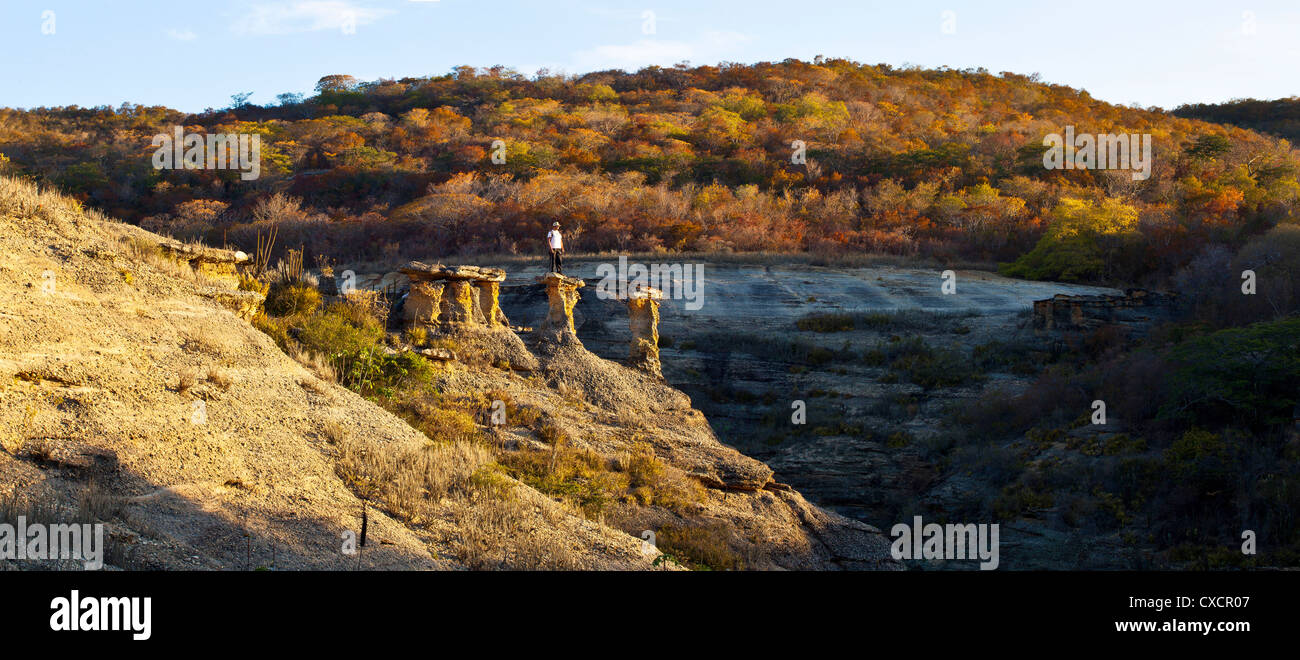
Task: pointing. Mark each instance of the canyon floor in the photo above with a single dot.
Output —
(866, 446)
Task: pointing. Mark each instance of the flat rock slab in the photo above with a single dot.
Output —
(418, 270)
(203, 253)
(564, 280)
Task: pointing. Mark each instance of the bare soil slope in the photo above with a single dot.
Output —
(129, 393)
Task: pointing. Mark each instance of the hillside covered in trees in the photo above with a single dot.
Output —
(1281, 117)
(938, 165)
(943, 164)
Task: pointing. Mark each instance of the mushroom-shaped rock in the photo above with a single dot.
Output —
(562, 295)
(454, 295)
(643, 318)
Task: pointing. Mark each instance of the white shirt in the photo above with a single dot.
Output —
(553, 237)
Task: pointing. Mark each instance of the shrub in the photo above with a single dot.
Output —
(581, 478)
(362, 308)
(287, 299)
(1082, 241)
(417, 336)
(700, 547)
(250, 283)
(826, 323)
(655, 482)
(333, 336)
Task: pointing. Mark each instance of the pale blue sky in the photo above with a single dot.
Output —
(191, 55)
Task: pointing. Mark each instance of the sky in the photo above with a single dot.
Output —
(192, 54)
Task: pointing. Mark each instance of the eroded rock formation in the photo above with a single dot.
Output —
(561, 295)
(1137, 309)
(212, 263)
(453, 296)
(643, 318)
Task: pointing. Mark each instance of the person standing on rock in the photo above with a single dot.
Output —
(556, 243)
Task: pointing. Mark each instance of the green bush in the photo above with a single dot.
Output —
(292, 299)
(334, 336)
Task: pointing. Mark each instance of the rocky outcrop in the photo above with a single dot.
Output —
(1136, 308)
(208, 442)
(643, 318)
(245, 304)
(561, 296)
(212, 263)
(453, 296)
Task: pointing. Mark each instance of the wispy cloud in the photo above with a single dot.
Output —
(707, 47)
(181, 35)
(306, 16)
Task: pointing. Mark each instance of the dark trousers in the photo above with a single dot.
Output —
(557, 261)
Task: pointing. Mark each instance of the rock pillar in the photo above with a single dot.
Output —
(643, 318)
(562, 295)
(461, 296)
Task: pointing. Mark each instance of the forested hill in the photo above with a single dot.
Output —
(1280, 117)
(936, 163)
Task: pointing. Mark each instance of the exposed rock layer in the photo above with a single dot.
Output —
(1136, 308)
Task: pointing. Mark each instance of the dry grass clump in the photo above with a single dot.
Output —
(186, 380)
(334, 432)
(552, 434)
(361, 304)
(654, 482)
(494, 528)
(94, 504)
(317, 364)
(700, 547)
(504, 534)
(590, 483)
(201, 339)
(446, 424)
(32, 508)
(97, 503)
(143, 250)
(516, 414)
(581, 478)
(220, 378)
(41, 450)
(411, 481)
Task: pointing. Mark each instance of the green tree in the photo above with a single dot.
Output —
(1082, 239)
